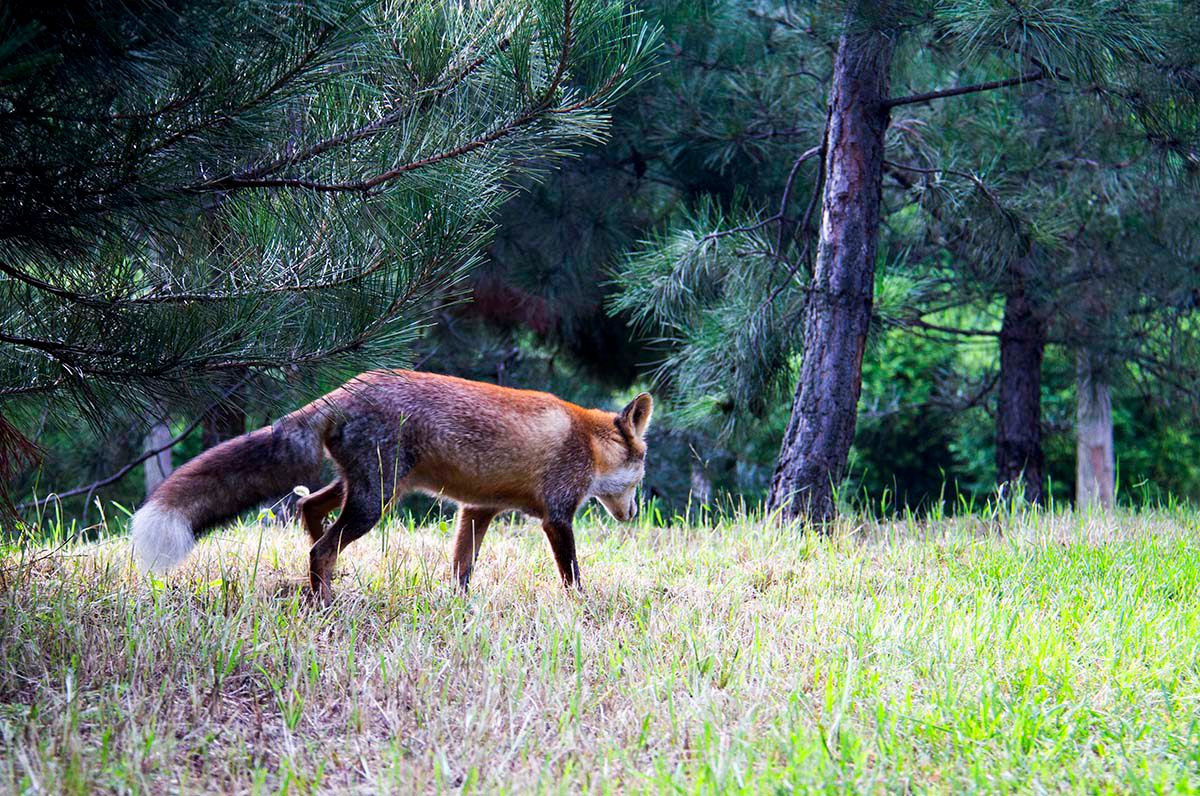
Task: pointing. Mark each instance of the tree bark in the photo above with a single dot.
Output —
(1095, 480)
(224, 421)
(158, 466)
(1019, 456)
(700, 488)
(816, 446)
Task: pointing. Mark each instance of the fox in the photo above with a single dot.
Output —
(485, 447)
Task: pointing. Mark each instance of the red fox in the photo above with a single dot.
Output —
(488, 448)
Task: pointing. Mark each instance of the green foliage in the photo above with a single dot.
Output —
(252, 186)
(1084, 173)
(907, 422)
(704, 285)
(1068, 176)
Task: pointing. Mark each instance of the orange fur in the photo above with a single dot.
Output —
(488, 448)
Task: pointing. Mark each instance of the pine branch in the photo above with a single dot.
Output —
(276, 85)
(372, 128)
(363, 186)
(780, 217)
(532, 114)
(787, 193)
(929, 96)
(933, 327)
(192, 298)
(54, 350)
(30, 389)
(123, 471)
(118, 475)
(965, 175)
(54, 290)
(818, 185)
(739, 230)
(563, 55)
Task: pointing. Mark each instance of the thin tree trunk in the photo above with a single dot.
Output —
(701, 485)
(227, 419)
(1095, 480)
(816, 446)
(224, 421)
(1019, 456)
(158, 466)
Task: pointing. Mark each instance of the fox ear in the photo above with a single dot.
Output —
(638, 413)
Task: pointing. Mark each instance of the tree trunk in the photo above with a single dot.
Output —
(1019, 457)
(701, 485)
(227, 419)
(224, 421)
(816, 445)
(158, 466)
(1095, 481)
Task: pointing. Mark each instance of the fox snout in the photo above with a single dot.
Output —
(620, 460)
(622, 507)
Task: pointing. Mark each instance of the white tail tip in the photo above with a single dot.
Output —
(162, 537)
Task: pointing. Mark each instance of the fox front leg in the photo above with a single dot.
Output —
(562, 542)
(472, 525)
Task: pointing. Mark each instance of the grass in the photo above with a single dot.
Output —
(1018, 652)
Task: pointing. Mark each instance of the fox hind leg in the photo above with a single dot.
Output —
(359, 515)
(314, 508)
(368, 483)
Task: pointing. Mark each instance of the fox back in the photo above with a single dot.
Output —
(481, 444)
(488, 448)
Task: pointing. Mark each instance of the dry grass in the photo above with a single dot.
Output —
(1055, 653)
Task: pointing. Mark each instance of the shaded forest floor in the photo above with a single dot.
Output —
(1030, 652)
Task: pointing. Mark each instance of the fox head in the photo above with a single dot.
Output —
(620, 466)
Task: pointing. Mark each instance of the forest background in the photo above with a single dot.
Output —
(1038, 167)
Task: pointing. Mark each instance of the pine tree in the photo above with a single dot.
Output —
(1011, 59)
(1069, 174)
(198, 193)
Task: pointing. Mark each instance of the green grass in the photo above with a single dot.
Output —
(1039, 652)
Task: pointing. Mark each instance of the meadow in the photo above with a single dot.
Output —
(1009, 650)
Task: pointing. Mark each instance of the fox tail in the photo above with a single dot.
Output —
(221, 483)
